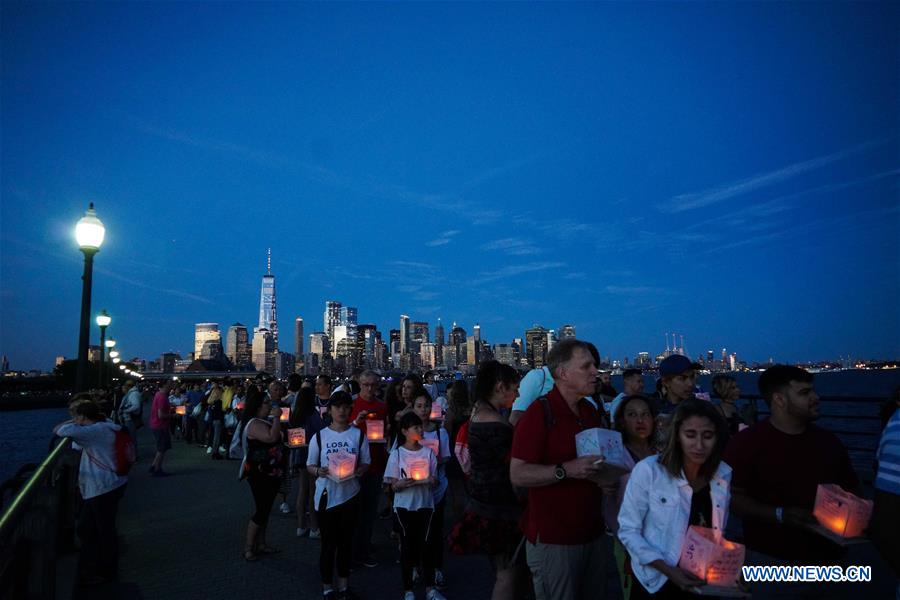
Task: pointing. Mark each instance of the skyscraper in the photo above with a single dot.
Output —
(349, 320)
(404, 335)
(237, 346)
(267, 316)
(439, 342)
(567, 332)
(298, 337)
(332, 318)
(205, 332)
(264, 352)
(536, 346)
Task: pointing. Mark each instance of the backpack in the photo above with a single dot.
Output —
(126, 454)
(124, 451)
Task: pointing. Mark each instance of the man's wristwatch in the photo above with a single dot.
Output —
(560, 472)
(779, 514)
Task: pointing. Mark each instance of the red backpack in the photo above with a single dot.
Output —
(124, 451)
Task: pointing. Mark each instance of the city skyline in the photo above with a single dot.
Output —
(724, 171)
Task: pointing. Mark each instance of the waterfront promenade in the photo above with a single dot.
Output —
(181, 537)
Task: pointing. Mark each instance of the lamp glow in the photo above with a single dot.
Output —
(117, 360)
(89, 231)
(110, 343)
(103, 319)
(114, 354)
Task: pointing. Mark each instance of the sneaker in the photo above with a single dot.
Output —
(439, 579)
(209, 449)
(409, 596)
(315, 534)
(302, 532)
(329, 595)
(434, 594)
(369, 562)
(284, 508)
(223, 450)
(416, 576)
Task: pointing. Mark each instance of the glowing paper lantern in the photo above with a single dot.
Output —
(296, 437)
(711, 557)
(239, 405)
(432, 443)
(285, 415)
(437, 413)
(841, 512)
(341, 465)
(414, 467)
(374, 430)
(181, 410)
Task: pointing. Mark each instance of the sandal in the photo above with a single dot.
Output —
(250, 555)
(264, 549)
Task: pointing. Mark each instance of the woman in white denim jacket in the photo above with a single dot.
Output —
(659, 505)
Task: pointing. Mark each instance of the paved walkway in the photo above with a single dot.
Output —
(182, 537)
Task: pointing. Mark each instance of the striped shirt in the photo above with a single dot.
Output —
(888, 478)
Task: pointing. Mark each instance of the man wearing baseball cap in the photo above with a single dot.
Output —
(677, 377)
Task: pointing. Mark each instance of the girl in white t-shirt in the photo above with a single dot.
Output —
(433, 433)
(336, 500)
(411, 473)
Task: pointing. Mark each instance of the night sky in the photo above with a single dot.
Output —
(725, 171)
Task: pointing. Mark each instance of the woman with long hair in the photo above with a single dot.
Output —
(726, 389)
(490, 522)
(262, 466)
(687, 484)
(634, 419)
(307, 416)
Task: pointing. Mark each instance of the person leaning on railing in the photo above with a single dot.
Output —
(101, 487)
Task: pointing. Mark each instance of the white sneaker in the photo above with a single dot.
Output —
(284, 508)
(409, 596)
(439, 579)
(433, 594)
(209, 449)
(315, 534)
(416, 576)
(302, 532)
(223, 450)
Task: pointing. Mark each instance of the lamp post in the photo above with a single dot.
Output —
(110, 344)
(89, 233)
(103, 321)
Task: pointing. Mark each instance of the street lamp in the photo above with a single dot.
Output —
(103, 321)
(89, 233)
(116, 360)
(113, 353)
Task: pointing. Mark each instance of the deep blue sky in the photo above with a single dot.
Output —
(725, 171)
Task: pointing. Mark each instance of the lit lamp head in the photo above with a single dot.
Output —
(89, 231)
(114, 354)
(103, 320)
(110, 343)
(117, 360)
(122, 367)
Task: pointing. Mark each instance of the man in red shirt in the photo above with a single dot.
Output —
(562, 522)
(778, 464)
(159, 424)
(368, 407)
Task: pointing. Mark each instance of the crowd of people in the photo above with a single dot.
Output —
(498, 463)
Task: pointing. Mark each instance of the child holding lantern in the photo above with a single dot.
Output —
(337, 490)
(435, 437)
(687, 484)
(411, 473)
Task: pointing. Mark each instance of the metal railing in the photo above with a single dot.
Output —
(37, 525)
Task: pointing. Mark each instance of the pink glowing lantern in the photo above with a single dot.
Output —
(711, 557)
(341, 465)
(181, 410)
(285, 415)
(841, 512)
(416, 468)
(296, 437)
(375, 430)
(437, 413)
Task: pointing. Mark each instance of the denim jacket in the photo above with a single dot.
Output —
(653, 519)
